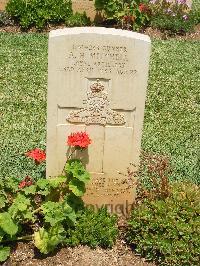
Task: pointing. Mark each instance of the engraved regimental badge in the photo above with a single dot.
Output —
(97, 109)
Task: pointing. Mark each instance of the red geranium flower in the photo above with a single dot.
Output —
(37, 154)
(26, 182)
(143, 8)
(79, 140)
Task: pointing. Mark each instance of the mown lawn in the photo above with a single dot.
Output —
(172, 123)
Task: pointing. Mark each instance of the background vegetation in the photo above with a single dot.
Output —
(40, 13)
(171, 17)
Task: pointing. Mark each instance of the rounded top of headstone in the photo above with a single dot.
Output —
(99, 30)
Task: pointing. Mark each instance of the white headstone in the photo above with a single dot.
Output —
(97, 80)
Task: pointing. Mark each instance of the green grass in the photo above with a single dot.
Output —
(23, 79)
(171, 123)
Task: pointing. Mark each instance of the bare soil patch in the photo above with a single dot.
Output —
(120, 255)
(153, 33)
(164, 35)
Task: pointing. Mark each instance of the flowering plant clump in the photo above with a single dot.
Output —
(141, 12)
(37, 154)
(175, 16)
(47, 207)
(45, 210)
(169, 8)
(172, 15)
(26, 182)
(79, 140)
(128, 14)
(136, 15)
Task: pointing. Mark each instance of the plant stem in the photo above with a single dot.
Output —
(68, 158)
(28, 237)
(21, 238)
(37, 210)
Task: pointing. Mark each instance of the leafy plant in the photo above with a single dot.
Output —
(112, 9)
(47, 211)
(78, 20)
(77, 176)
(4, 253)
(153, 176)
(137, 15)
(39, 12)
(42, 208)
(51, 213)
(8, 229)
(45, 208)
(167, 229)
(47, 240)
(129, 14)
(93, 229)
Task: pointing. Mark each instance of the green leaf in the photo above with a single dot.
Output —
(43, 183)
(7, 224)
(21, 204)
(10, 184)
(69, 166)
(56, 212)
(55, 182)
(69, 212)
(75, 202)
(44, 186)
(1, 183)
(93, 228)
(47, 240)
(21, 208)
(77, 170)
(84, 177)
(3, 201)
(30, 190)
(52, 212)
(28, 215)
(4, 253)
(41, 240)
(77, 187)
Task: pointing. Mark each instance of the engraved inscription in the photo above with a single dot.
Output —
(97, 109)
(104, 59)
(111, 187)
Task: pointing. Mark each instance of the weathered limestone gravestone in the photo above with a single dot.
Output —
(3, 4)
(84, 5)
(97, 81)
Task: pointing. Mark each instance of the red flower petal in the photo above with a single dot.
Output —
(79, 139)
(26, 182)
(37, 154)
